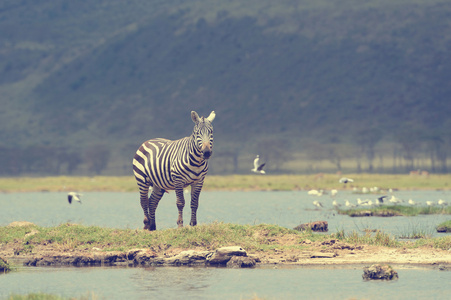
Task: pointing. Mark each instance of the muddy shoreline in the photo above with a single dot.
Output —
(326, 254)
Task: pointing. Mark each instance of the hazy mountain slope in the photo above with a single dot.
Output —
(107, 71)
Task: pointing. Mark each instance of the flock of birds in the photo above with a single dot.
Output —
(367, 202)
(258, 168)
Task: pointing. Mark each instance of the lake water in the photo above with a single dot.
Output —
(223, 283)
(288, 209)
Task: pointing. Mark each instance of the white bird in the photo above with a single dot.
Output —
(430, 203)
(395, 200)
(349, 204)
(74, 196)
(411, 202)
(258, 168)
(333, 192)
(315, 192)
(442, 202)
(317, 204)
(360, 202)
(345, 180)
(336, 204)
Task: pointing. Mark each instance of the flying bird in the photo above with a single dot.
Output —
(258, 168)
(380, 200)
(345, 180)
(74, 196)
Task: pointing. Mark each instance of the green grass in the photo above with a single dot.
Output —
(414, 231)
(397, 210)
(211, 236)
(230, 182)
(253, 238)
(44, 296)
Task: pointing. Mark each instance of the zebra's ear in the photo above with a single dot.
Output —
(195, 117)
(212, 116)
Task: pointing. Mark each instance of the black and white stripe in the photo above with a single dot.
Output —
(164, 165)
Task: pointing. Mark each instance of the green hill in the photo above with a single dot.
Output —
(319, 78)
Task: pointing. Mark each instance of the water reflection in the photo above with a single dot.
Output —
(220, 283)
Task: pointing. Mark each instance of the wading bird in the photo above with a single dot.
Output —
(317, 204)
(442, 202)
(349, 204)
(411, 202)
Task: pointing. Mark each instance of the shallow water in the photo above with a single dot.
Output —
(222, 283)
(288, 209)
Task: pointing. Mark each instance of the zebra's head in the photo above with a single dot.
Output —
(203, 133)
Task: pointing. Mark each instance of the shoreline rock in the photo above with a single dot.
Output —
(226, 256)
(318, 226)
(379, 272)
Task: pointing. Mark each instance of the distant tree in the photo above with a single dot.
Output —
(367, 140)
(274, 151)
(97, 157)
(410, 141)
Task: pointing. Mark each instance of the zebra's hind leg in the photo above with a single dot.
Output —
(154, 199)
(143, 194)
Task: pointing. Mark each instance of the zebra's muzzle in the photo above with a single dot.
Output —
(206, 153)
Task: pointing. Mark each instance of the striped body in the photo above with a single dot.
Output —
(163, 165)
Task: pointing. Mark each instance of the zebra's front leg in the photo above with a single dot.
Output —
(180, 205)
(195, 192)
(144, 192)
(154, 199)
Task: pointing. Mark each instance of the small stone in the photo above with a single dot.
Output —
(241, 262)
(21, 224)
(322, 255)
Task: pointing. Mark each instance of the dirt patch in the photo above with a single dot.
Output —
(329, 252)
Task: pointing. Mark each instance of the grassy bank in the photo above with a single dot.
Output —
(231, 182)
(253, 238)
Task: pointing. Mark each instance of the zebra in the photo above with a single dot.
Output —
(162, 165)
